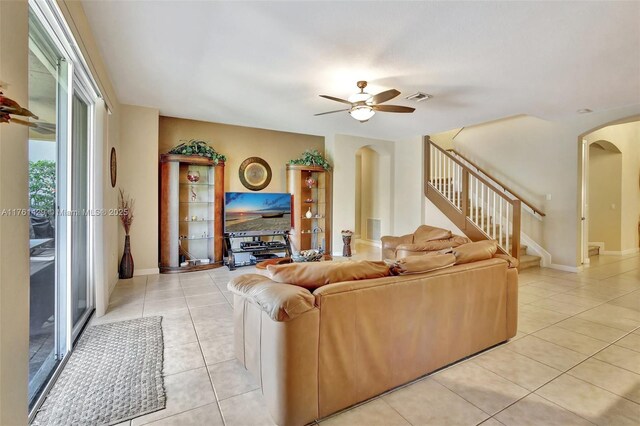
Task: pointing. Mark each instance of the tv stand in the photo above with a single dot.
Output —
(253, 249)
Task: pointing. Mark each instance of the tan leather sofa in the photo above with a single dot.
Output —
(425, 239)
(316, 353)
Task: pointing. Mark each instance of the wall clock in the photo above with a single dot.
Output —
(255, 173)
(113, 167)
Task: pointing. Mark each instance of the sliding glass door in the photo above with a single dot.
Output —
(81, 294)
(48, 83)
(61, 292)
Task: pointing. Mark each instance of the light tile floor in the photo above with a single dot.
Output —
(574, 361)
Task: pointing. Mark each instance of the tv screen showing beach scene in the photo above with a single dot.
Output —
(257, 212)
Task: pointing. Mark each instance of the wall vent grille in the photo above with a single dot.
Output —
(373, 229)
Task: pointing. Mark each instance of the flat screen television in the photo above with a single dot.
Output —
(256, 213)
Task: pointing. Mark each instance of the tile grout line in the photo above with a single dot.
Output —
(566, 372)
(215, 393)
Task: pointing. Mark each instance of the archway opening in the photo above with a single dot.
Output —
(610, 199)
(372, 197)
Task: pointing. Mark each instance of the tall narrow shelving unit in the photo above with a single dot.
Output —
(314, 232)
(191, 222)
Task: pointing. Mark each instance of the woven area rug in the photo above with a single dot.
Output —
(114, 374)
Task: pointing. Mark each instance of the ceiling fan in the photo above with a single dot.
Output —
(363, 105)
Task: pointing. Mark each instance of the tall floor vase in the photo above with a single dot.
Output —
(126, 263)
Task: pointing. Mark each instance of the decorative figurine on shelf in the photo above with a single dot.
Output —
(346, 241)
(308, 214)
(310, 182)
(194, 196)
(193, 176)
(309, 200)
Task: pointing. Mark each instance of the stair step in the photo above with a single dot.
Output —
(529, 261)
(594, 251)
(523, 250)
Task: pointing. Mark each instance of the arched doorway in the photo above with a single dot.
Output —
(372, 196)
(603, 226)
(610, 199)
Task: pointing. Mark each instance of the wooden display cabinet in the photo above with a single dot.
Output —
(314, 232)
(191, 222)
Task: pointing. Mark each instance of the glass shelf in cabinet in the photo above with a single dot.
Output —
(196, 202)
(197, 184)
(196, 238)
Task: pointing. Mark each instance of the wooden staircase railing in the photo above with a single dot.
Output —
(472, 202)
(504, 187)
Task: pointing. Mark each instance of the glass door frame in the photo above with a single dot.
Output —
(76, 77)
(84, 95)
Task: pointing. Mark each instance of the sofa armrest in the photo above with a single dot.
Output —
(390, 243)
(513, 262)
(281, 302)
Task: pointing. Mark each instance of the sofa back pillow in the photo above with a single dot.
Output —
(312, 275)
(421, 264)
(473, 252)
(430, 233)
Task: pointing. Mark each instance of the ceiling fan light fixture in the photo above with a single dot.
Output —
(359, 97)
(362, 113)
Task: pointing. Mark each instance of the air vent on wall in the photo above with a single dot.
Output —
(373, 229)
(419, 97)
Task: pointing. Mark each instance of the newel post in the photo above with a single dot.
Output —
(465, 194)
(515, 238)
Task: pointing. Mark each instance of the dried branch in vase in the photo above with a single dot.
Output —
(125, 210)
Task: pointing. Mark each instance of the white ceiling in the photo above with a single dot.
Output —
(263, 64)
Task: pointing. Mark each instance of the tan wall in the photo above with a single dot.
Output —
(239, 143)
(626, 137)
(605, 189)
(14, 230)
(538, 157)
(138, 177)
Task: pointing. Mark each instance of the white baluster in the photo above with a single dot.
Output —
(493, 215)
(437, 170)
(508, 226)
(501, 227)
(449, 180)
(477, 200)
(431, 164)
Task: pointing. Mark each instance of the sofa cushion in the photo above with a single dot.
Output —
(513, 262)
(473, 252)
(430, 246)
(281, 302)
(430, 233)
(312, 275)
(421, 264)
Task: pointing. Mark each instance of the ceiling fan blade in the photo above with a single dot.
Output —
(331, 112)
(385, 96)
(392, 108)
(332, 98)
